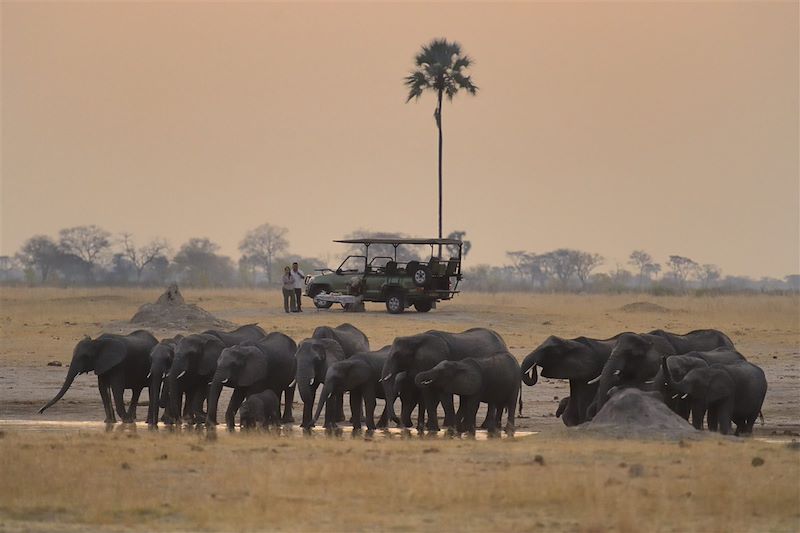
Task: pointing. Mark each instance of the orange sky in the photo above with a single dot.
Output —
(671, 127)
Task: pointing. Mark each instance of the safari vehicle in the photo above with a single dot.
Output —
(399, 284)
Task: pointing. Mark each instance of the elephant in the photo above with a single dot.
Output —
(120, 362)
(260, 410)
(252, 367)
(417, 353)
(493, 379)
(636, 359)
(249, 332)
(350, 338)
(360, 374)
(680, 365)
(314, 357)
(193, 367)
(700, 340)
(161, 357)
(579, 360)
(732, 392)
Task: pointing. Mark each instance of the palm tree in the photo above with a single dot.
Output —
(440, 67)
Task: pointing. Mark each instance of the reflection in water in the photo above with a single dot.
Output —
(212, 434)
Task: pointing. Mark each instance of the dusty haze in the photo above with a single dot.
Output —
(605, 127)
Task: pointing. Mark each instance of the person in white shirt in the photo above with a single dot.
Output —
(299, 283)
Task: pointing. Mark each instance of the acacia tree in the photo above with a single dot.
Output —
(640, 259)
(585, 262)
(262, 244)
(143, 256)
(466, 245)
(200, 265)
(439, 67)
(40, 253)
(563, 263)
(88, 243)
(681, 268)
(709, 274)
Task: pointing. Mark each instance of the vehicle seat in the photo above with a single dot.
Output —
(433, 266)
(391, 268)
(452, 264)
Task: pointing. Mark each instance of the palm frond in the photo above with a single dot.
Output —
(440, 66)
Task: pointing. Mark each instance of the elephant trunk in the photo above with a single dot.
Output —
(174, 405)
(609, 378)
(73, 371)
(327, 390)
(307, 395)
(528, 368)
(214, 392)
(154, 391)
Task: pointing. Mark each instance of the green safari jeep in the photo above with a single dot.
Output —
(385, 279)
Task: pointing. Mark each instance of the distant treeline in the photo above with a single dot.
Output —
(90, 255)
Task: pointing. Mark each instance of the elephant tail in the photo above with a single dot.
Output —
(761, 417)
(520, 402)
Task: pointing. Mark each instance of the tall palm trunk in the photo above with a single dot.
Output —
(439, 126)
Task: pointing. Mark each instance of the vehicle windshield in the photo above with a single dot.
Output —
(354, 264)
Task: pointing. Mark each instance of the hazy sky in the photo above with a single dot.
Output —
(671, 127)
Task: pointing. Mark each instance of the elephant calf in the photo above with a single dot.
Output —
(361, 375)
(494, 380)
(732, 392)
(260, 410)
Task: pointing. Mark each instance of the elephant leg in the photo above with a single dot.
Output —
(369, 408)
(698, 412)
(236, 401)
(712, 418)
(408, 402)
(491, 418)
(134, 403)
(383, 421)
(102, 386)
(431, 405)
(471, 412)
(331, 411)
(117, 392)
(152, 408)
(449, 410)
(510, 422)
(288, 395)
(198, 398)
(339, 407)
(356, 399)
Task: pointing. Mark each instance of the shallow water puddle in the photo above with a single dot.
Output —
(68, 426)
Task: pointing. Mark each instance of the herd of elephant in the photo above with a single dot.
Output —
(699, 373)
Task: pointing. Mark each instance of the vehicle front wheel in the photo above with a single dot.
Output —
(319, 304)
(423, 306)
(395, 303)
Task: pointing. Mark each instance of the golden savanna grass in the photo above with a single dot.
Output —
(144, 481)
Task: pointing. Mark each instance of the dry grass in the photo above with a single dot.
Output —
(76, 480)
(38, 325)
(255, 482)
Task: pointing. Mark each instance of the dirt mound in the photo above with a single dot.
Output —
(172, 312)
(634, 413)
(644, 307)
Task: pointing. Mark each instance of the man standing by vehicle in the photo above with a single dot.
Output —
(299, 281)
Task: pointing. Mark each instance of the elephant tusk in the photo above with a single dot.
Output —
(387, 377)
(649, 382)
(225, 380)
(311, 381)
(181, 374)
(148, 375)
(531, 371)
(427, 382)
(675, 396)
(293, 383)
(595, 380)
(684, 396)
(617, 372)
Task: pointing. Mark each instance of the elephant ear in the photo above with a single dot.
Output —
(110, 353)
(208, 359)
(254, 369)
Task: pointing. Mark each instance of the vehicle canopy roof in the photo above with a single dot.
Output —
(397, 242)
